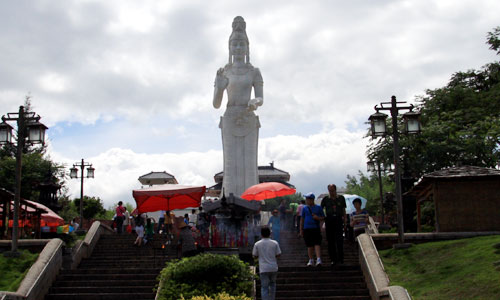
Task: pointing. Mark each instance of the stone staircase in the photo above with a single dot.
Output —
(296, 281)
(116, 270)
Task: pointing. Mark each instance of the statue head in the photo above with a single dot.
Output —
(238, 41)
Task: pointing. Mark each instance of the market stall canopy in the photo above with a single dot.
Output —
(168, 197)
(47, 218)
(50, 218)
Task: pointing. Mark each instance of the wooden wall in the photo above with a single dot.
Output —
(468, 205)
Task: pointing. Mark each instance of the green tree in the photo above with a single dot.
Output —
(368, 187)
(461, 124)
(92, 207)
(69, 210)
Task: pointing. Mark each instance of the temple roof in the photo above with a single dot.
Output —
(264, 171)
(157, 178)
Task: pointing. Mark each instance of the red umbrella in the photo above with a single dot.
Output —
(168, 197)
(267, 190)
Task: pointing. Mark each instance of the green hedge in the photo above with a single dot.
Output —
(205, 274)
(221, 296)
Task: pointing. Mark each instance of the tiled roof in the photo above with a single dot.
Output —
(263, 171)
(157, 175)
(463, 171)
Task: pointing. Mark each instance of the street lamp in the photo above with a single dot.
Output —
(28, 126)
(376, 166)
(412, 125)
(73, 173)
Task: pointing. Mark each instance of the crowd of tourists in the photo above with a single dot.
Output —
(184, 233)
(309, 219)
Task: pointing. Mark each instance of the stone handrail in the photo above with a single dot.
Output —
(83, 249)
(372, 227)
(40, 276)
(374, 273)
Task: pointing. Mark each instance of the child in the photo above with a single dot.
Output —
(274, 223)
(359, 218)
(139, 229)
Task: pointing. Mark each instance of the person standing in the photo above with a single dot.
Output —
(126, 222)
(267, 251)
(139, 229)
(310, 221)
(299, 213)
(161, 222)
(283, 210)
(359, 218)
(169, 223)
(120, 210)
(293, 215)
(186, 240)
(275, 224)
(202, 226)
(192, 218)
(334, 206)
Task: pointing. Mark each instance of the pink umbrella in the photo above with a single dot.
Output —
(267, 190)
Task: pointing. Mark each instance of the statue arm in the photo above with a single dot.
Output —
(258, 86)
(220, 85)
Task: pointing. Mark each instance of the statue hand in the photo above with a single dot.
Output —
(253, 103)
(221, 80)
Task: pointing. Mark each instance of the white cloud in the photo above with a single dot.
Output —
(313, 162)
(52, 82)
(121, 74)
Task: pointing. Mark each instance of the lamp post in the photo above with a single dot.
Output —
(376, 166)
(28, 126)
(378, 128)
(74, 174)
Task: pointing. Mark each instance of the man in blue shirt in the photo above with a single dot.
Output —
(311, 218)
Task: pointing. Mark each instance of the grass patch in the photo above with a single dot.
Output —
(13, 270)
(459, 269)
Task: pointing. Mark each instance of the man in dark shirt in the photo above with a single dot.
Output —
(334, 206)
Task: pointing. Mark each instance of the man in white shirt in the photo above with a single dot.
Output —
(192, 218)
(267, 251)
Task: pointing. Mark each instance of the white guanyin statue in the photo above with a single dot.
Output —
(239, 124)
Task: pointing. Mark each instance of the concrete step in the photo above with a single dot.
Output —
(112, 271)
(103, 277)
(319, 286)
(320, 293)
(103, 283)
(102, 296)
(101, 290)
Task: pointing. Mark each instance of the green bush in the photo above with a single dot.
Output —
(220, 296)
(205, 274)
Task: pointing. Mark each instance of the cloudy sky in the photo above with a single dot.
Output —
(128, 85)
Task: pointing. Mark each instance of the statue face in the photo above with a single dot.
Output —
(238, 47)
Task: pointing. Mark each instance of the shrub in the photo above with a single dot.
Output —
(205, 274)
(220, 296)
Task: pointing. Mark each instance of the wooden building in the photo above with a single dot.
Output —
(465, 198)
